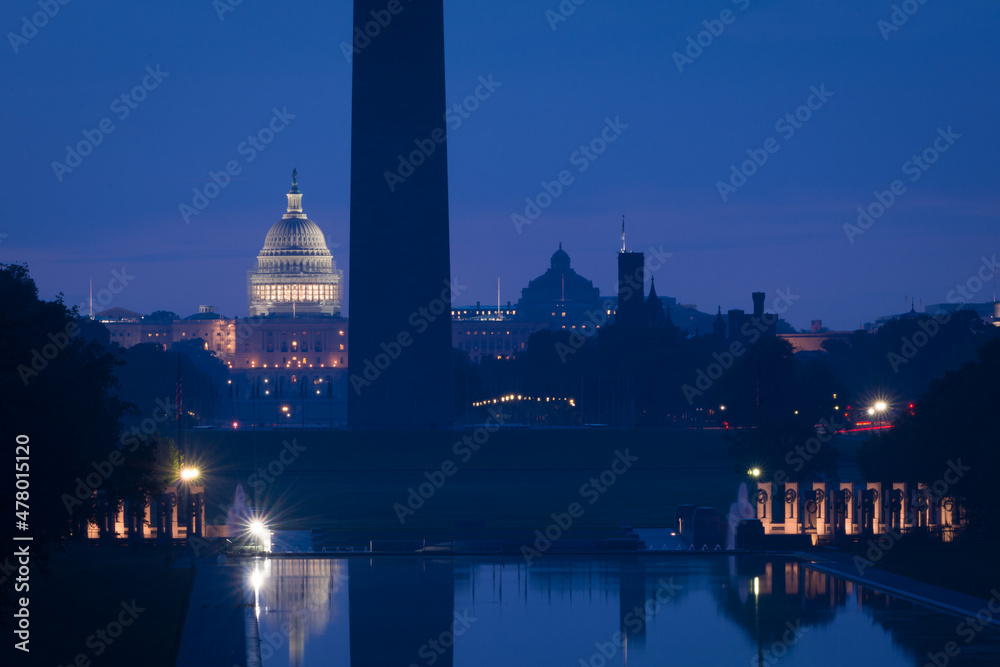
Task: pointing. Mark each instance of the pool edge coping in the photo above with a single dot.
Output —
(965, 612)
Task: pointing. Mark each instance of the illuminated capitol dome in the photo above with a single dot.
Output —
(295, 273)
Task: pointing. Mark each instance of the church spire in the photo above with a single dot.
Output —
(719, 325)
(654, 307)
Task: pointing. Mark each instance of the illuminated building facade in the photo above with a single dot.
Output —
(295, 273)
(489, 336)
(272, 343)
(305, 342)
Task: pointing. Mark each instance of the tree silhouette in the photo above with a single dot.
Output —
(59, 390)
(952, 428)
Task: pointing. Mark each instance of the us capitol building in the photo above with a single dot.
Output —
(294, 298)
(295, 272)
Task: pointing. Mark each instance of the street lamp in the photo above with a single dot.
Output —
(186, 476)
(260, 531)
(754, 474)
(879, 408)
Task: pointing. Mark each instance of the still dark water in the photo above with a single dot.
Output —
(573, 611)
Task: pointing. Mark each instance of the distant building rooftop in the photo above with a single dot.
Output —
(118, 315)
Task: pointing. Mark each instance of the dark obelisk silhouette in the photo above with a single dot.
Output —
(399, 362)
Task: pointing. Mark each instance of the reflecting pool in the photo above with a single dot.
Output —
(596, 611)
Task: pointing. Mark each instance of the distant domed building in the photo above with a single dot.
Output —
(559, 285)
(295, 273)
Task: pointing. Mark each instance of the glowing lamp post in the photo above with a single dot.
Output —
(190, 515)
(754, 475)
(878, 410)
(261, 533)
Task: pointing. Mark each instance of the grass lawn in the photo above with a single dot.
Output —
(91, 588)
(350, 481)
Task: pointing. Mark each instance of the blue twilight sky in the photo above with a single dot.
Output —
(892, 90)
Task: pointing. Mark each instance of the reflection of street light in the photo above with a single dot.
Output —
(756, 620)
(257, 580)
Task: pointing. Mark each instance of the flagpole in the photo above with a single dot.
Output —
(181, 453)
(179, 399)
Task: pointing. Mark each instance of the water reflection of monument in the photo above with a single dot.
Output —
(610, 602)
(632, 597)
(300, 599)
(765, 595)
(402, 612)
(771, 600)
(405, 611)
